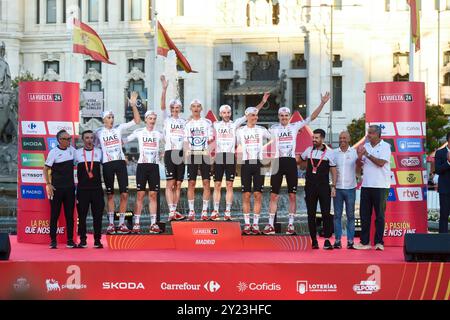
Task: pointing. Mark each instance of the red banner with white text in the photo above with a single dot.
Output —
(399, 108)
(44, 109)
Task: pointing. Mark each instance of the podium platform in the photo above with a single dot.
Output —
(209, 236)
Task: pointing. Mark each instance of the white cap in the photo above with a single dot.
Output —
(196, 101)
(175, 101)
(107, 113)
(284, 110)
(250, 110)
(149, 113)
(224, 107)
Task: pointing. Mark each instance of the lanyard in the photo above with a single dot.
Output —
(89, 172)
(314, 168)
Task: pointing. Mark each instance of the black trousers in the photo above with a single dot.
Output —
(94, 199)
(372, 199)
(62, 197)
(444, 204)
(319, 193)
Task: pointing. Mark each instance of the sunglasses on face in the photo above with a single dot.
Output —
(66, 139)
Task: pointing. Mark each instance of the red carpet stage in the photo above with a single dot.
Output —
(36, 272)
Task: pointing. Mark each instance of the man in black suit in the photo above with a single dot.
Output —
(442, 168)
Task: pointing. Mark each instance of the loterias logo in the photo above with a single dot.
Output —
(395, 97)
(45, 97)
(33, 144)
(304, 286)
(32, 192)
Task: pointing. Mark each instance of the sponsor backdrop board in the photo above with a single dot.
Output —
(44, 109)
(399, 107)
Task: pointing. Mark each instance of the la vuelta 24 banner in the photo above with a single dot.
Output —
(399, 108)
(44, 109)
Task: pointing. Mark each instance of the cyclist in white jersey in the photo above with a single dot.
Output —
(225, 161)
(284, 135)
(147, 169)
(109, 138)
(173, 155)
(198, 133)
(251, 138)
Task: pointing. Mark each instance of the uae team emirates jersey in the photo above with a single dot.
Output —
(173, 132)
(110, 141)
(252, 141)
(149, 142)
(197, 133)
(226, 134)
(286, 137)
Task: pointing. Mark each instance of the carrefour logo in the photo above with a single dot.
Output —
(32, 192)
(33, 127)
(387, 128)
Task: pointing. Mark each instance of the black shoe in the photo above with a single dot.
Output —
(337, 245)
(53, 245)
(82, 244)
(327, 245)
(315, 244)
(71, 244)
(98, 245)
(350, 245)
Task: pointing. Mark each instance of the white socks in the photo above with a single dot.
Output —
(247, 218)
(153, 218)
(205, 205)
(111, 217)
(271, 218)
(228, 207)
(137, 218)
(191, 205)
(255, 218)
(216, 206)
(121, 219)
(291, 218)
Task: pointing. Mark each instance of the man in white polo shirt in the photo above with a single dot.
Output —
(375, 156)
(345, 158)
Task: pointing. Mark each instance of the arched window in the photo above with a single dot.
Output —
(447, 79)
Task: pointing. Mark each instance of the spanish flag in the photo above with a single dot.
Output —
(415, 22)
(165, 44)
(86, 41)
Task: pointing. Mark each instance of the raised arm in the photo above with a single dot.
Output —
(263, 101)
(323, 100)
(133, 103)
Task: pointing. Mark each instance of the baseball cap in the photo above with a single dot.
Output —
(107, 113)
(196, 101)
(149, 113)
(284, 110)
(175, 101)
(224, 107)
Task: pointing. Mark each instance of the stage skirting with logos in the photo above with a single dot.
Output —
(36, 272)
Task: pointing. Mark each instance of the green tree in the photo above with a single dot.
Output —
(357, 129)
(437, 126)
(27, 76)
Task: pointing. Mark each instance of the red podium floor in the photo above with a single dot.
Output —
(36, 272)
